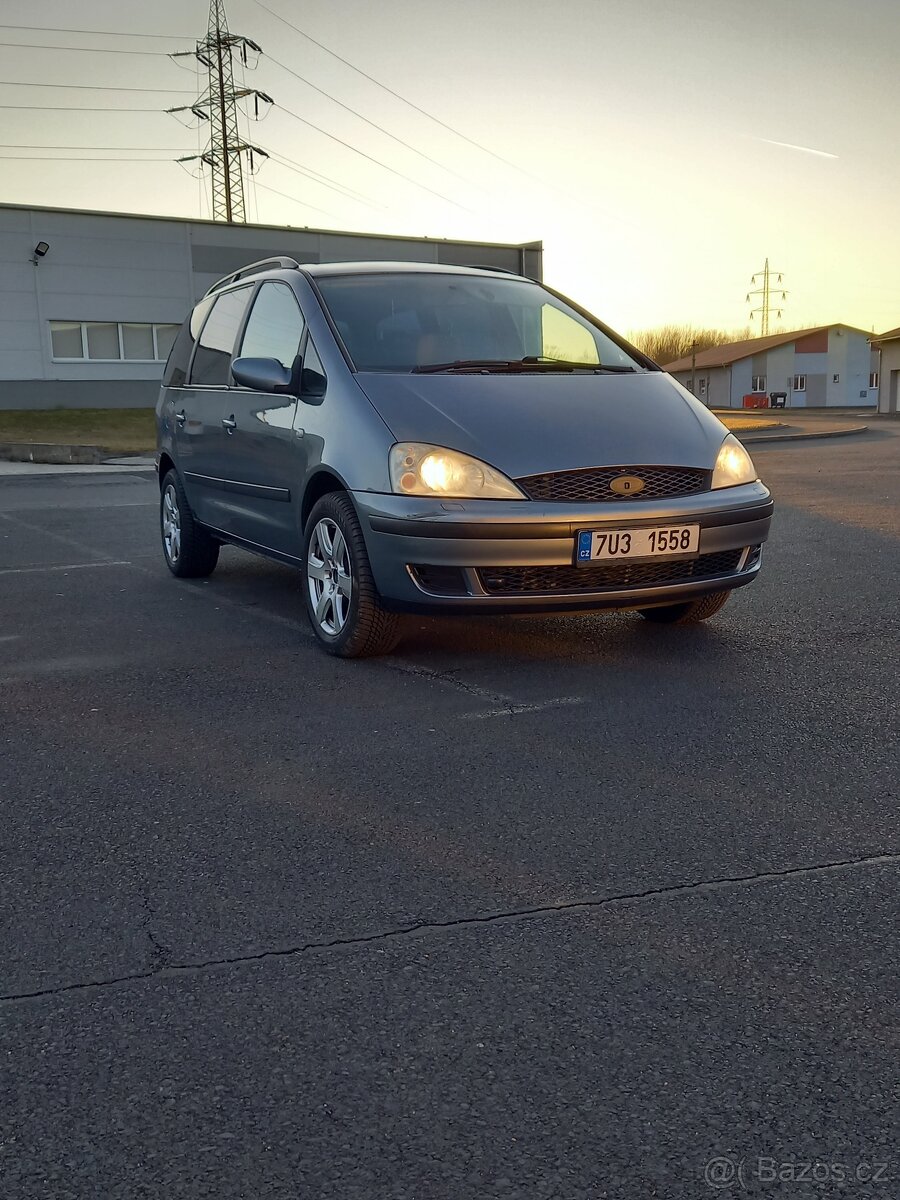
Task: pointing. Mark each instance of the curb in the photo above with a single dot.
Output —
(52, 452)
(802, 437)
(64, 454)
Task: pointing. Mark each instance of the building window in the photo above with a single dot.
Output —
(835, 379)
(67, 339)
(103, 341)
(111, 341)
(799, 383)
(758, 383)
(701, 387)
(873, 379)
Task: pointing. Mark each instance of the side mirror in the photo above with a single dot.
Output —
(262, 374)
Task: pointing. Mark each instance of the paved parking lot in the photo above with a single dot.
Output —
(537, 908)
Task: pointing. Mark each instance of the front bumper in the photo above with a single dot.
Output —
(477, 539)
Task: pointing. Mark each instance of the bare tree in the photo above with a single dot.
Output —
(667, 343)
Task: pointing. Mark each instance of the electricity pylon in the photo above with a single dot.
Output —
(224, 154)
(765, 291)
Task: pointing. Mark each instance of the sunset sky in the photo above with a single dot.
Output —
(661, 149)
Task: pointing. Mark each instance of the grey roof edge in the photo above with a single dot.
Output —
(718, 356)
(205, 221)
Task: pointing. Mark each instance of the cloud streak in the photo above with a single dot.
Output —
(802, 149)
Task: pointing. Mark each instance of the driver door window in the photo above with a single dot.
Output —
(275, 326)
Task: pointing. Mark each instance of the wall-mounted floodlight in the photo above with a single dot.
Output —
(39, 251)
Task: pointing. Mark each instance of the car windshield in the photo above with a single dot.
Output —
(433, 321)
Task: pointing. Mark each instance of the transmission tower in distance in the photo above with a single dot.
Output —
(764, 308)
(226, 149)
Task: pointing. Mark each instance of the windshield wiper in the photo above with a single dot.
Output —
(511, 366)
(598, 368)
(464, 364)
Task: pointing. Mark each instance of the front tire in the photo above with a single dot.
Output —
(342, 602)
(689, 613)
(190, 552)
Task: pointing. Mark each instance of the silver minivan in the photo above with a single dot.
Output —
(422, 438)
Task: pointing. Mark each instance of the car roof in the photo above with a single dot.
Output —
(329, 270)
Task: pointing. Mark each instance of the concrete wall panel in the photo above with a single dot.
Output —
(18, 364)
(40, 393)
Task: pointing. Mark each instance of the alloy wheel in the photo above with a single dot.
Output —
(329, 576)
(171, 524)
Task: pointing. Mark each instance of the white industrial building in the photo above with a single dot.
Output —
(91, 301)
(830, 366)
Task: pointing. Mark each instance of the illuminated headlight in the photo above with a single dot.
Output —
(734, 465)
(422, 470)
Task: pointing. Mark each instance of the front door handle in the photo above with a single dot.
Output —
(229, 423)
(180, 418)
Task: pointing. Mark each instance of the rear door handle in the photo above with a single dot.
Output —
(229, 423)
(180, 418)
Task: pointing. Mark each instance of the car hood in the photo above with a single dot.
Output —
(529, 424)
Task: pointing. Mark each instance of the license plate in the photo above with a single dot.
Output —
(662, 541)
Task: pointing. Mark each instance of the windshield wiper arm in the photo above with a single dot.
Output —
(530, 363)
(466, 364)
(571, 364)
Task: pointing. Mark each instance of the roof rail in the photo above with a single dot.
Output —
(482, 267)
(265, 264)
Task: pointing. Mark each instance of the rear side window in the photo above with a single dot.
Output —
(175, 374)
(275, 326)
(212, 360)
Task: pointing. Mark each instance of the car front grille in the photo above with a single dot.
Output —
(592, 484)
(607, 577)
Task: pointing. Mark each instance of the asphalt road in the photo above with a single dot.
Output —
(565, 908)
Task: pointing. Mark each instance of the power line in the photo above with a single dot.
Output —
(369, 157)
(373, 124)
(90, 87)
(69, 108)
(391, 92)
(323, 181)
(154, 149)
(165, 37)
(265, 187)
(83, 49)
(63, 158)
(318, 177)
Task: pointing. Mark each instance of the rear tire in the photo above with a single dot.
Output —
(190, 552)
(342, 602)
(690, 613)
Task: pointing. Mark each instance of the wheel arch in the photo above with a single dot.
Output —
(166, 464)
(321, 484)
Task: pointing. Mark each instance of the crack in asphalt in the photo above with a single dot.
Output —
(164, 969)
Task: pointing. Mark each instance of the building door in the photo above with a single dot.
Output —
(894, 393)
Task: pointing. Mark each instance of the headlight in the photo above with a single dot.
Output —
(734, 465)
(422, 470)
